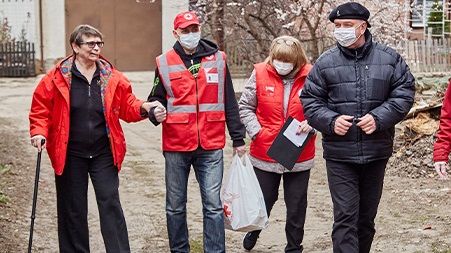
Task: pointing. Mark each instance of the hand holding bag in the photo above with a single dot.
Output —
(242, 198)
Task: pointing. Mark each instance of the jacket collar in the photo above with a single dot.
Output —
(65, 66)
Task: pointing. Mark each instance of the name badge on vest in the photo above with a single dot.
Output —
(211, 77)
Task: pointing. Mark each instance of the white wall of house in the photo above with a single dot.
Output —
(25, 14)
(21, 18)
(53, 30)
(170, 8)
(55, 36)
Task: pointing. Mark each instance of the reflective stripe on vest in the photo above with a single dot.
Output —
(166, 70)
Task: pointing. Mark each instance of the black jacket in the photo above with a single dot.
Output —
(372, 79)
(236, 129)
(87, 133)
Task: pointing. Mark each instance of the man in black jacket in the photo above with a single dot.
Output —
(193, 83)
(354, 95)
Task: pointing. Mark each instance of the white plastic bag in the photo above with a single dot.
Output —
(242, 198)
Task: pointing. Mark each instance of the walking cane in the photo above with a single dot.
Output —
(35, 196)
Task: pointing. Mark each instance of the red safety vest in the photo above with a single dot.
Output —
(270, 111)
(195, 108)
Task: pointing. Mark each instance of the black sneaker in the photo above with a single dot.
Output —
(250, 239)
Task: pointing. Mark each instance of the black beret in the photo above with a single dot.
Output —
(350, 10)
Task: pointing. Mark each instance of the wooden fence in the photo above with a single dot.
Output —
(422, 56)
(17, 59)
(427, 56)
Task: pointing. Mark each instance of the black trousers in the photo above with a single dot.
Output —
(72, 204)
(295, 185)
(356, 190)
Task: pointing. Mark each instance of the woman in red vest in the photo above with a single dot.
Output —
(271, 96)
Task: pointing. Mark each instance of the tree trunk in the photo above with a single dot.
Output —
(218, 24)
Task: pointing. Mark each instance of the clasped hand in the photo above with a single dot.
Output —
(344, 122)
(159, 111)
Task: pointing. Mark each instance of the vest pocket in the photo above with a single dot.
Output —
(175, 75)
(215, 116)
(177, 118)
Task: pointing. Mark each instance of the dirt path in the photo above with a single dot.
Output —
(414, 214)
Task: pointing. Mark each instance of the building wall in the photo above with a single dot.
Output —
(21, 16)
(53, 30)
(24, 15)
(131, 29)
(170, 10)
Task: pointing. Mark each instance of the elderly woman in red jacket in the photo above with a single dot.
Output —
(443, 143)
(270, 96)
(76, 108)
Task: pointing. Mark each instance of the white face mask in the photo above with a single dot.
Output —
(282, 68)
(346, 36)
(189, 41)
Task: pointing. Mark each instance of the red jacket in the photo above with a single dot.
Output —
(50, 110)
(270, 110)
(195, 107)
(443, 143)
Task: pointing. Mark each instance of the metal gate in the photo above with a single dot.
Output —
(17, 59)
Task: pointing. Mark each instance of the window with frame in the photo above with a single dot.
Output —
(421, 11)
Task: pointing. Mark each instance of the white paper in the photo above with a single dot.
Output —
(290, 133)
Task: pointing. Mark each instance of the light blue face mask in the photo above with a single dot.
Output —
(190, 40)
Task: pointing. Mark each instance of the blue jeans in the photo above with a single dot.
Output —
(208, 167)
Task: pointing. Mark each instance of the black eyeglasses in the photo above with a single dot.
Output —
(92, 44)
(288, 42)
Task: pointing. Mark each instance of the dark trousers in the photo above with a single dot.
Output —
(295, 187)
(356, 190)
(72, 204)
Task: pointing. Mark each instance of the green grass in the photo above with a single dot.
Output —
(3, 169)
(423, 218)
(3, 198)
(441, 251)
(441, 247)
(197, 246)
(420, 219)
(155, 195)
(396, 214)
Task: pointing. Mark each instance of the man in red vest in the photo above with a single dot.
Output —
(193, 83)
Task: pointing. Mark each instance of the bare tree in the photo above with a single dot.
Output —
(253, 24)
(245, 29)
(211, 14)
(261, 21)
